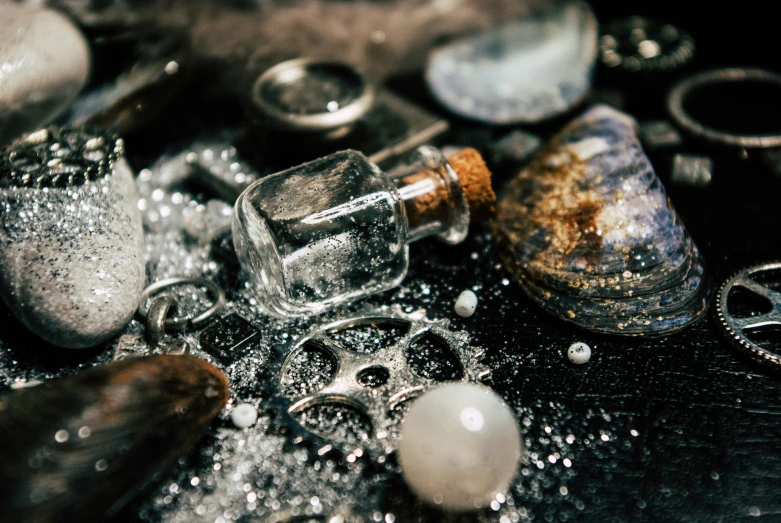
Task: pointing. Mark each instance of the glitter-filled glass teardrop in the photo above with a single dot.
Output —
(71, 240)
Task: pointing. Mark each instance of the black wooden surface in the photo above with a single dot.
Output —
(708, 421)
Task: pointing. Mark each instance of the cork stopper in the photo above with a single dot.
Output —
(475, 180)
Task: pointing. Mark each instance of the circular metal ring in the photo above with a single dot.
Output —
(180, 322)
(328, 119)
(736, 328)
(683, 89)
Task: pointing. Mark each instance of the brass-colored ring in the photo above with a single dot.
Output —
(181, 322)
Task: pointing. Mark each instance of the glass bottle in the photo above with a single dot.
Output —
(338, 228)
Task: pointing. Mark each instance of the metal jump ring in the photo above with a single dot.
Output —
(156, 316)
(683, 89)
(180, 322)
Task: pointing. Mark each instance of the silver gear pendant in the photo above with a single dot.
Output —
(371, 377)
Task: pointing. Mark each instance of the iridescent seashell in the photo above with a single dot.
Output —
(527, 70)
(593, 238)
(79, 448)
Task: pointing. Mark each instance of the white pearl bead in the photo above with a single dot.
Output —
(466, 304)
(579, 353)
(459, 447)
(244, 415)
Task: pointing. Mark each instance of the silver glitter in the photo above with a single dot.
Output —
(259, 474)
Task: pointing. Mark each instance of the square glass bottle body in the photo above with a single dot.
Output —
(320, 234)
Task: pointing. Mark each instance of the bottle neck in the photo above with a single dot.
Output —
(433, 198)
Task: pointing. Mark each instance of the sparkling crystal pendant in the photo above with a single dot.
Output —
(71, 240)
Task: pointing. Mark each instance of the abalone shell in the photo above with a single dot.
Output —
(593, 238)
(79, 448)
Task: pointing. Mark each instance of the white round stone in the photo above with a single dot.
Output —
(579, 353)
(44, 63)
(466, 304)
(459, 447)
(244, 415)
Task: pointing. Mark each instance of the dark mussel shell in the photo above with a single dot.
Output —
(592, 237)
(79, 448)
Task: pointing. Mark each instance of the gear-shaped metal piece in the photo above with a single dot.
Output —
(640, 45)
(59, 157)
(737, 328)
(378, 399)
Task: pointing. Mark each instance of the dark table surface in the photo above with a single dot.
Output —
(678, 428)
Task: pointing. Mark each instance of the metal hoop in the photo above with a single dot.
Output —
(317, 122)
(181, 322)
(683, 89)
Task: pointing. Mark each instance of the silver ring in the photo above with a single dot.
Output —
(180, 322)
(328, 119)
(684, 88)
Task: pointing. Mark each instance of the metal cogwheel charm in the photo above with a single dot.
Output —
(737, 328)
(373, 382)
(59, 157)
(638, 44)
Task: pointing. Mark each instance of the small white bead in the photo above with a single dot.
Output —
(579, 353)
(459, 447)
(244, 415)
(466, 304)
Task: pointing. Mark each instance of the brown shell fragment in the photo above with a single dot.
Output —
(81, 447)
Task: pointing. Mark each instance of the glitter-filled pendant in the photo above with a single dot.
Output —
(71, 239)
(80, 448)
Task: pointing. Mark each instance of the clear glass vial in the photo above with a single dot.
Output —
(337, 229)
